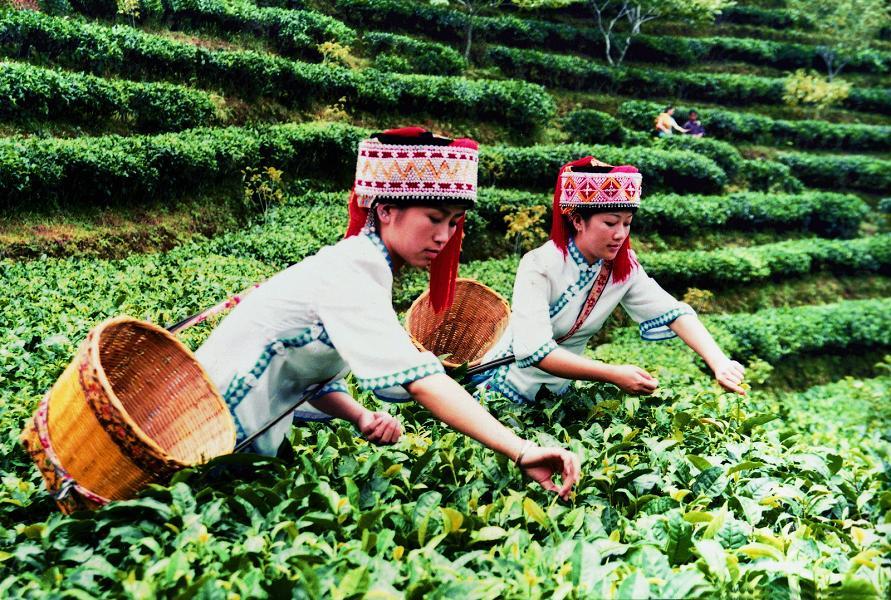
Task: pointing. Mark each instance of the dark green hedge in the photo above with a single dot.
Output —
(840, 172)
(537, 166)
(116, 170)
(593, 127)
(776, 333)
(123, 169)
(723, 267)
(132, 53)
(292, 32)
(29, 92)
(449, 25)
(405, 54)
(576, 73)
(827, 214)
(715, 269)
(759, 129)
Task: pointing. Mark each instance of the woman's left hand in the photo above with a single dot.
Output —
(379, 427)
(730, 375)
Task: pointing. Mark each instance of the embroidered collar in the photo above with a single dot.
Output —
(379, 243)
(580, 259)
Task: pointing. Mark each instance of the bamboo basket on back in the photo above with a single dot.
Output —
(464, 332)
(132, 408)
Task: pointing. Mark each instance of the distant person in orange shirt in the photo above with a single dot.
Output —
(665, 123)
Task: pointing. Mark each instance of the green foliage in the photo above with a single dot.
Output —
(840, 172)
(409, 55)
(132, 53)
(759, 129)
(824, 213)
(776, 333)
(827, 214)
(571, 72)
(725, 155)
(418, 18)
(723, 267)
(293, 32)
(810, 89)
(537, 166)
(115, 169)
(593, 127)
(38, 93)
(852, 25)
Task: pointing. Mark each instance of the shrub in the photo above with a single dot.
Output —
(725, 156)
(774, 334)
(770, 176)
(760, 129)
(537, 166)
(34, 92)
(418, 56)
(593, 127)
(840, 172)
(572, 72)
(130, 52)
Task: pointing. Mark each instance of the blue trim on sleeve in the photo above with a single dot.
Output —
(537, 356)
(657, 329)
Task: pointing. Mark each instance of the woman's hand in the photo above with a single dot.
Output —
(541, 464)
(730, 375)
(379, 427)
(633, 380)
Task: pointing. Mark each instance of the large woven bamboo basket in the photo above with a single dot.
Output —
(132, 408)
(467, 330)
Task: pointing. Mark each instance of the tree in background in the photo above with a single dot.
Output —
(620, 20)
(472, 9)
(808, 88)
(853, 25)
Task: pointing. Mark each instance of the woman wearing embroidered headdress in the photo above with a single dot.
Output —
(566, 289)
(332, 313)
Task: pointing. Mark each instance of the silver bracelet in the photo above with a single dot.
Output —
(523, 450)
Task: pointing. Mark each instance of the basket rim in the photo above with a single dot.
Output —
(153, 446)
(466, 280)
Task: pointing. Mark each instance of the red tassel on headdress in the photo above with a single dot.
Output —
(559, 231)
(358, 216)
(444, 271)
(624, 262)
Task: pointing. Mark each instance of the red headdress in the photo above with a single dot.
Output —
(412, 165)
(613, 188)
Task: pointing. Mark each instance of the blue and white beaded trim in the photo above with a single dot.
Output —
(537, 356)
(379, 243)
(401, 378)
(335, 386)
(657, 329)
(587, 273)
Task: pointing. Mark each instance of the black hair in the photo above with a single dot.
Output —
(586, 212)
(424, 139)
(668, 108)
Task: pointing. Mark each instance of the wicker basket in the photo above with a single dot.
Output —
(132, 408)
(467, 330)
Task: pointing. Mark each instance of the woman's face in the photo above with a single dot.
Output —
(417, 234)
(602, 234)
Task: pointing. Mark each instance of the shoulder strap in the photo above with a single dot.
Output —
(593, 296)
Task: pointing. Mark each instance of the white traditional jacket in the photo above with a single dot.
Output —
(304, 330)
(549, 293)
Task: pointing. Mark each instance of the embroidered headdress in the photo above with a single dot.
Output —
(411, 165)
(590, 184)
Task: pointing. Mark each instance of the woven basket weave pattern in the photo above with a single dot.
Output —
(467, 330)
(132, 407)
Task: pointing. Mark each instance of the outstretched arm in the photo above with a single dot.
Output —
(632, 379)
(729, 373)
(452, 405)
(376, 427)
